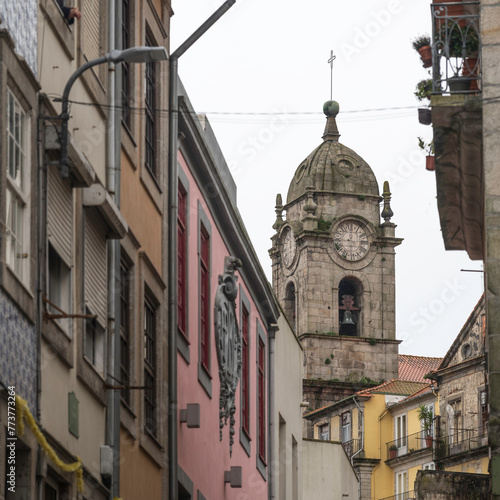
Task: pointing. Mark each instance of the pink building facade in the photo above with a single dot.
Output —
(209, 231)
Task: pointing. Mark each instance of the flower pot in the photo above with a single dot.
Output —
(458, 84)
(424, 116)
(426, 56)
(393, 453)
(450, 11)
(470, 69)
(429, 163)
(428, 441)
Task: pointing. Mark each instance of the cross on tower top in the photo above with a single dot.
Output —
(330, 61)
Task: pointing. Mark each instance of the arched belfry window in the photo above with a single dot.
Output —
(350, 304)
(290, 304)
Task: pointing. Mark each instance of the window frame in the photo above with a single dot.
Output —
(401, 430)
(261, 376)
(150, 400)
(204, 364)
(183, 342)
(125, 330)
(17, 190)
(150, 122)
(245, 433)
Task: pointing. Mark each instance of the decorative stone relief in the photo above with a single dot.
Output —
(228, 343)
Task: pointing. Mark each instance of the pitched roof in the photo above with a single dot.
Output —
(413, 368)
(396, 387)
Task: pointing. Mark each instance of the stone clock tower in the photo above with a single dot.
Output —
(333, 269)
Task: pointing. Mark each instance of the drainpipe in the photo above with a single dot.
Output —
(173, 126)
(113, 186)
(272, 416)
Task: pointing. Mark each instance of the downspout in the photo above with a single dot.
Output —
(173, 128)
(113, 187)
(41, 189)
(272, 417)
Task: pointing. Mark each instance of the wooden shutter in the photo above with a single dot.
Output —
(91, 16)
(95, 265)
(60, 215)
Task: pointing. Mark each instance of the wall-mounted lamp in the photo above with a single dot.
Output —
(233, 477)
(191, 416)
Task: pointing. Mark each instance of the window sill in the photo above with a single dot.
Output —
(205, 380)
(183, 346)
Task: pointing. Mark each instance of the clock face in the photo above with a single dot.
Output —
(351, 241)
(288, 247)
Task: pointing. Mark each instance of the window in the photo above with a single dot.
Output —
(150, 102)
(290, 305)
(324, 432)
(94, 343)
(245, 379)
(429, 466)
(261, 395)
(346, 426)
(349, 307)
(126, 73)
(17, 199)
(205, 298)
(401, 480)
(59, 287)
(455, 420)
(125, 331)
(182, 258)
(483, 413)
(150, 366)
(400, 431)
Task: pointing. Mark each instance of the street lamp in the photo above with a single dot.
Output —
(131, 55)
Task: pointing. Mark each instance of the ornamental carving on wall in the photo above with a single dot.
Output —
(228, 344)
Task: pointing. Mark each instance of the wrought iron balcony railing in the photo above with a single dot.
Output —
(406, 495)
(456, 48)
(463, 440)
(351, 447)
(408, 444)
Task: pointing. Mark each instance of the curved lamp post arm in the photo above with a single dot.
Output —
(132, 55)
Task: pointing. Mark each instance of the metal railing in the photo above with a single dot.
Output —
(408, 444)
(407, 495)
(351, 447)
(456, 48)
(461, 441)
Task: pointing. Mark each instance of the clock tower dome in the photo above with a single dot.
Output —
(333, 266)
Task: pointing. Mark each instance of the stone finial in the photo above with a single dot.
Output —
(279, 213)
(310, 206)
(387, 213)
(310, 220)
(331, 110)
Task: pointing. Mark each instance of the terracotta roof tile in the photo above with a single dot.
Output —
(397, 387)
(413, 368)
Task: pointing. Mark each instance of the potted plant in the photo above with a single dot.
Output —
(423, 90)
(422, 44)
(426, 415)
(428, 147)
(393, 451)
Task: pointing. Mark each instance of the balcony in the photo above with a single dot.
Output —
(463, 441)
(456, 48)
(407, 445)
(406, 495)
(351, 447)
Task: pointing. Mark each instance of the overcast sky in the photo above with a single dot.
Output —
(262, 75)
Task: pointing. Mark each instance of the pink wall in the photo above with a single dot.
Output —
(200, 453)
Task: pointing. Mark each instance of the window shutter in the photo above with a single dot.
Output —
(60, 215)
(91, 31)
(95, 265)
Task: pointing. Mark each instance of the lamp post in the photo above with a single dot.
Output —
(131, 55)
(173, 126)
